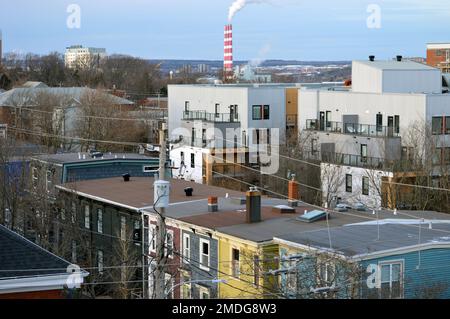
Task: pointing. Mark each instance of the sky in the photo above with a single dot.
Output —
(319, 30)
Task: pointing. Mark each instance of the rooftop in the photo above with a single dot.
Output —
(20, 258)
(67, 158)
(361, 239)
(404, 65)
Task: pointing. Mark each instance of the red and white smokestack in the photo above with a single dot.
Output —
(228, 53)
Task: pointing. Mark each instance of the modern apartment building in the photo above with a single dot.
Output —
(365, 130)
(77, 56)
(438, 56)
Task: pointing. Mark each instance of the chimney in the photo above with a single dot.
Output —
(399, 58)
(253, 212)
(371, 58)
(126, 177)
(228, 53)
(213, 205)
(293, 192)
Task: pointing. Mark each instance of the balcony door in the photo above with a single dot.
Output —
(322, 121)
(390, 126)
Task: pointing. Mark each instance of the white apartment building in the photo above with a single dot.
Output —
(78, 56)
(368, 125)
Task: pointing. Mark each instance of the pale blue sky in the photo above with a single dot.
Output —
(193, 29)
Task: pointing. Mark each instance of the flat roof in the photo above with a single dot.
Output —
(67, 158)
(138, 192)
(357, 240)
(393, 65)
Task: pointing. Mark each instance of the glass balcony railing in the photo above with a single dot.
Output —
(352, 128)
(210, 117)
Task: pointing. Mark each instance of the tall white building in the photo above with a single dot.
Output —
(77, 56)
(365, 129)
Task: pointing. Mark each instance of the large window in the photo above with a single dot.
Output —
(100, 220)
(257, 112)
(87, 217)
(186, 248)
(365, 185)
(266, 112)
(204, 254)
(436, 125)
(391, 280)
(328, 119)
(235, 266)
(397, 124)
(379, 122)
(348, 183)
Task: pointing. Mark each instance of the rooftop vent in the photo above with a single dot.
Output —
(399, 58)
(126, 177)
(371, 58)
(189, 191)
(313, 216)
(253, 206)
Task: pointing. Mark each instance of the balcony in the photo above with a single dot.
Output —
(210, 117)
(352, 128)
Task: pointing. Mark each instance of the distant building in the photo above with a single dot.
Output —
(249, 73)
(31, 272)
(77, 56)
(438, 56)
(203, 68)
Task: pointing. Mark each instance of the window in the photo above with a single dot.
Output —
(192, 160)
(348, 183)
(446, 155)
(182, 158)
(313, 146)
(34, 177)
(326, 274)
(391, 280)
(216, 110)
(436, 125)
(186, 248)
(447, 125)
(74, 251)
(204, 254)
(150, 169)
(100, 261)
(186, 289)
(169, 285)
(328, 119)
(204, 293)
(363, 153)
(169, 243)
(73, 212)
(186, 106)
(87, 217)
(257, 112)
(235, 270)
(266, 112)
(379, 122)
(236, 114)
(152, 238)
(365, 185)
(100, 220)
(397, 124)
(123, 228)
(193, 137)
(48, 181)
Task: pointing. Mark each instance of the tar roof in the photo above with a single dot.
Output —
(363, 239)
(138, 193)
(67, 158)
(20, 257)
(398, 66)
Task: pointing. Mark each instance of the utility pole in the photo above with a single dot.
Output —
(159, 278)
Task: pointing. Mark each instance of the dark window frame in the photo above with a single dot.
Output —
(365, 185)
(348, 188)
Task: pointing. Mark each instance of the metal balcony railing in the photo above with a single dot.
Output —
(210, 117)
(352, 128)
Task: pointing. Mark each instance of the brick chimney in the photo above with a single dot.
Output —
(213, 205)
(293, 195)
(253, 212)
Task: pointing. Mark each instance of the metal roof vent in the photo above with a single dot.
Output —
(371, 58)
(313, 216)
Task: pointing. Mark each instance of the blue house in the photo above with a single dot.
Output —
(388, 259)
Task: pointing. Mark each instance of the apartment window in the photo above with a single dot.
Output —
(186, 106)
(169, 285)
(34, 177)
(216, 110)
(236, 114)
(446, 155)
(257, 112)
(326, 274)
(87, 217)
(204, 293)
(169, 243)
(397, 124)
(391, 280)
(328, 119)
(74, 251)
(100, 261)
(235, 266)
(152, 238)
(348, 183)
(48, 180)
(192, 160)
(186, 289)
(447, 125)
(186, 248)
(204, 254)
(266, 112)
(100, 220)
(123, 228)
(436, 125)
(193, 137)
(182, 158)
(365, 185)
(363, 153)
(379, 122)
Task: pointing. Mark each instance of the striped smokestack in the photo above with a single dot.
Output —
(228, 53)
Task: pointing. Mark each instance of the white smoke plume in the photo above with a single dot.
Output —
(238, 5)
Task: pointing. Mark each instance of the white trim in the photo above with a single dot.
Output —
(202, 241)
(43, 283)
(186, 258)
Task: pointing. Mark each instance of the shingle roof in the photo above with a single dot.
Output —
(20, 257)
